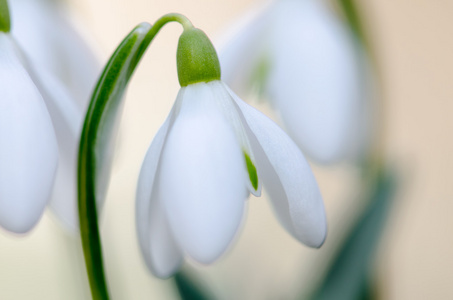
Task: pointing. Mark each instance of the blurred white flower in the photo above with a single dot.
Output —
(65, 70)
(47, 73)
(199, 170)
(29, 151)
(54, 41)
(308, 65)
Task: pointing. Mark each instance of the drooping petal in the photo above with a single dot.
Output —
(202, 176)
(67, 118)
(51, 40)
(223, 100)
(162, 255)
(28, 152)
(314, 81)
(287, 177)
(241, 48)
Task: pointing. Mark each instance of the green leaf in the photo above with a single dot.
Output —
(94, 151)
(348, 276)
(5, 23)
(188, 289)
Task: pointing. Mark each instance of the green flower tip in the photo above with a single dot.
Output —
(252, 171)
(5, 24)
(197, 58)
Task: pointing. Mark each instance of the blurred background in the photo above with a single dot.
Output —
(413, 42)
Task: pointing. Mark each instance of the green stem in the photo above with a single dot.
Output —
(162, 21)
(352, 16)
(5, 23)
(375, 159)
(89, 231)
(173, 17)
(189, 290)
(103, 110)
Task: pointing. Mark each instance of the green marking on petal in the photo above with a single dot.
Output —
(252, 171)
(260, 74)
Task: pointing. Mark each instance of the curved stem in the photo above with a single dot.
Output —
(173, 17)
(89, 231)
(101, 115)
(374, 160)
(162, 21)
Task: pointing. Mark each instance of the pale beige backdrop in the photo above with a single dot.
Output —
(414, 42)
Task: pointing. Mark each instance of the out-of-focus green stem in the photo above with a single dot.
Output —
(188, 290)
(352, 16)
(374, 160)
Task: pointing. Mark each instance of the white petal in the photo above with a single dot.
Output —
(49, 38)
(163, 257)
(30, 20)
(224, 102)
(67, 118)
(314, 81)
(202, 176)
(287, 177)
(28, 152)
(241, 47)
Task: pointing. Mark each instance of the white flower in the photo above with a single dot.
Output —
(41, 107)
(63, 67)
(199, 170)
(307, 65)
(54, 41)
(28, 146)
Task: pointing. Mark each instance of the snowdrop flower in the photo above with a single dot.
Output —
(305, 63)
(40, 125)
(210, 153)
(65, 69)
(28, 146)
(54, 41)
